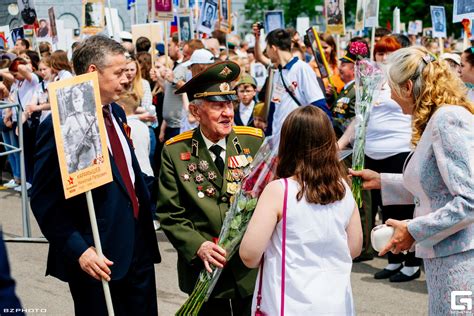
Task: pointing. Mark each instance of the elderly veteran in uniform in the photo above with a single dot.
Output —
(200, 173)
(343, 110)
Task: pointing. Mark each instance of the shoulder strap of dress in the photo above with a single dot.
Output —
(283, 250)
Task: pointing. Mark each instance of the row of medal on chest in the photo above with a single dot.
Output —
(199, 172)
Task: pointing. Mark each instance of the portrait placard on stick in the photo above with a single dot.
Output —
(225, 15)
(412, 28)
(43, 34)
(360, 13)
(80, 134)
(438, 20)
(52, 24)
(318, 54)
(164, 10)
(152, 31)
(208, 16)
(27, 11)
(185, 26)
(93, 20)
(372, 13)
(463, 9)
(335, 22)
(274, 20)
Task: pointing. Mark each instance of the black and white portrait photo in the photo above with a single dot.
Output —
(94, 14)
(334, 12)
(274, 20)
(208, 16)
(185, 30)
(463, 9)
(27, 11)
(79, 126)
(372, 13)
(438, 20)
(224, 10)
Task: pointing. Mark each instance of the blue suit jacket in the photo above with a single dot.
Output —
(65, 223)
(8, 298)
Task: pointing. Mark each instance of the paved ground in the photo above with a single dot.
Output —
(51, 297)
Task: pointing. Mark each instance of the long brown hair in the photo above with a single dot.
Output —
(308, 151)
(59, 61)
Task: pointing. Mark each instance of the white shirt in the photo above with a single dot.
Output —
(470, 95)
(246, 111)
(222, 143)
(348, 84)
(125, 147)
(23, 92)
(141, 141)
(300, 78)
(389, 130)
(63, 74)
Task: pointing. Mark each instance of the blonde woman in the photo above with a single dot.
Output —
(139, 86)
(147, 111)
(438, 177)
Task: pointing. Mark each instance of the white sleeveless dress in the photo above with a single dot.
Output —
(318, 261)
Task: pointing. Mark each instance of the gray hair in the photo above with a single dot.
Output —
(94, 50)
(197, 102)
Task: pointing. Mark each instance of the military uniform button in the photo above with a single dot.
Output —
(224, 199)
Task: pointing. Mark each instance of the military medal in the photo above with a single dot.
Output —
(246, 151)
(200, 193)
(192, 167)
(185, 177)
(232, 188)
(244, 160)
(199, 178)
(237, 175)
(210, 191)
(232, 162)
(211, 175)
(237, 146)
(185, 156)
(195, 148)
(249, 158)
(203, 166)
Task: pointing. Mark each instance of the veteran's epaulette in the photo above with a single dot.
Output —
(180, 137)
(247, 130)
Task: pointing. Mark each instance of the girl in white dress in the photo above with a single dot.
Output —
(323, 229)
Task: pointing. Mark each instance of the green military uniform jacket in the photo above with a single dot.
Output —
(344, 109)
(192, 212)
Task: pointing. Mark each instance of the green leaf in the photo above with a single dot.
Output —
(235, 223)
(251, 204)
(242, 203)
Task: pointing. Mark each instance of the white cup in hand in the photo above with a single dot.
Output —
(380, 236)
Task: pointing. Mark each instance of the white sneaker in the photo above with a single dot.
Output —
(18, 188)
(156, 224)
(11, 184)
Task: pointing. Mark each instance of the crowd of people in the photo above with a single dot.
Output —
(200, 112)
